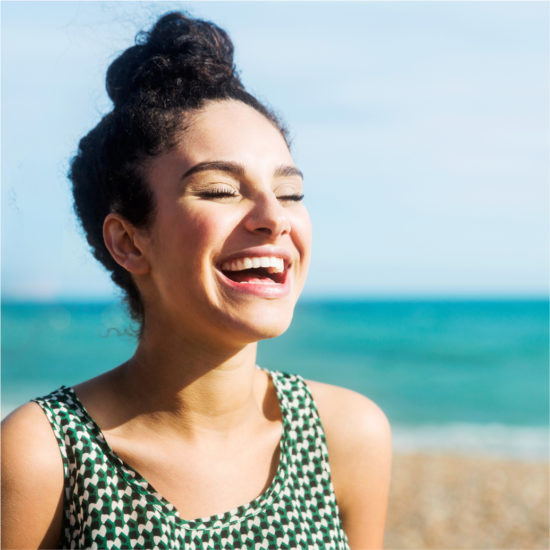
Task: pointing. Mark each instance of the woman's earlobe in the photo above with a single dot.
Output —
(119, 236)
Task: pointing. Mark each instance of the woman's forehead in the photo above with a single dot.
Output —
(229, 126)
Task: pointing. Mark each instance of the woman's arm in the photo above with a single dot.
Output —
(32, 481)
(359, 443)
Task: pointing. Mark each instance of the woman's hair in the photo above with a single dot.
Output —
(178, 66)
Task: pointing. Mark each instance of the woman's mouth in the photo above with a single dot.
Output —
(260, 275)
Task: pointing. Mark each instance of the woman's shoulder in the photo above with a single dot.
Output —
(349, 416)
(32, 480)
(28, 429)
(358, 438)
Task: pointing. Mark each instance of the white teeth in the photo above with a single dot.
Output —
(271, 263)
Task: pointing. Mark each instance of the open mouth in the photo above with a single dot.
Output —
(262, 270)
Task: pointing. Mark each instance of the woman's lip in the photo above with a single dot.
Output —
(263, 290)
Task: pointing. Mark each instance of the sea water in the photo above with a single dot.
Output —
(457, 375)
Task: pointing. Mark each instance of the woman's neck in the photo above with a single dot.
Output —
(191, 385)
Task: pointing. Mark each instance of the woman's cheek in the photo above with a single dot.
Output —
(302, 232)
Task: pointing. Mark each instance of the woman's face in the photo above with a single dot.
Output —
(229, 246)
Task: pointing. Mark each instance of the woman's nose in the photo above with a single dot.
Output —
(268, 216)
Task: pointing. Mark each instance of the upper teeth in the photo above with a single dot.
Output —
(273, 264)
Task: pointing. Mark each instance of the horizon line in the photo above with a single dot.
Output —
(309, 298)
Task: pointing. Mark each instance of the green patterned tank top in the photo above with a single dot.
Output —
(108, 504)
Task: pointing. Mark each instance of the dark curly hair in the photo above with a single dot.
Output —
(178, 66)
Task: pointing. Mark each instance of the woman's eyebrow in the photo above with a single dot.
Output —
(238, 170)
(284, 170)
(218, 165)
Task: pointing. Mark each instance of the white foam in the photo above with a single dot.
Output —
(519, 442)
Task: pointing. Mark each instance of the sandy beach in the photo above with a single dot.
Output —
(449, 501)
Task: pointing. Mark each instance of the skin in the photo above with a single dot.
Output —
(192, 386)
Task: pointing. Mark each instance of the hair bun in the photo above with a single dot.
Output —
(177, 53)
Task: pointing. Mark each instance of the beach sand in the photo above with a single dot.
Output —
(451, 501)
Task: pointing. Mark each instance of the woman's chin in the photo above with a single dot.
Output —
(263, 323)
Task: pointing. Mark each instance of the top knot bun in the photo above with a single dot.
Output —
(178, 54)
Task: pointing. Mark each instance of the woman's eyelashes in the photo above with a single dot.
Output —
(228, 193)
(218, 194)
(297, 197)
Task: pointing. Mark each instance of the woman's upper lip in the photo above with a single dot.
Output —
(256, 252)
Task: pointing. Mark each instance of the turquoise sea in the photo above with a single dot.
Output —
(463, 375)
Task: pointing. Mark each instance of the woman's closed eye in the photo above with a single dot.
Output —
(225, 192)
(218, 192)
(294, 197)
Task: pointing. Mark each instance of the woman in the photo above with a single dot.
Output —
(189, 196)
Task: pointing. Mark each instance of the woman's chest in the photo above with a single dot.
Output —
(204, 480)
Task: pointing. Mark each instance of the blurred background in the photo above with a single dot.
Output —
(422, 129)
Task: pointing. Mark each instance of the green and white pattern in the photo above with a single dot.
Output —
(109, 505)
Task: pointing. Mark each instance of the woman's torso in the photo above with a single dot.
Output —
(109, 504)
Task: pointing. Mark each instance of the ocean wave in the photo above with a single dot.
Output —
(517, 442)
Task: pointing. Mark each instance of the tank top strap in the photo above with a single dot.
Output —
(73, 431)
(309, 462)
(297, 404)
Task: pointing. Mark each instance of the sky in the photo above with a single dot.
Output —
(422, 129)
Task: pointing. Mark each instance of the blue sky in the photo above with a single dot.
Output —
(422, 129)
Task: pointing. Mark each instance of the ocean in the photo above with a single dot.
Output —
(460, 376)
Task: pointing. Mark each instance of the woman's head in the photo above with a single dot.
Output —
(159, 87)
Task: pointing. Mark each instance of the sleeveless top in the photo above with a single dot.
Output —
(108, 504)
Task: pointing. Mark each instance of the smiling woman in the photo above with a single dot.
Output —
(231, 184)
(189, 196)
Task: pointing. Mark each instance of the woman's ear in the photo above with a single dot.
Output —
(120, 239)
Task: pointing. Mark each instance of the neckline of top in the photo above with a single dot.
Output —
(214, 521)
